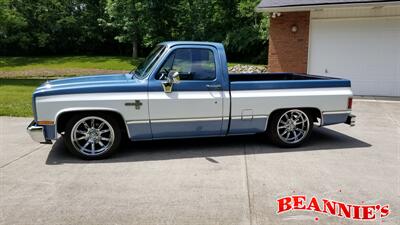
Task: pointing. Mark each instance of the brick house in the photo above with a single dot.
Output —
(358, 40)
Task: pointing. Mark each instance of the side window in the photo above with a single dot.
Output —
(191, 63)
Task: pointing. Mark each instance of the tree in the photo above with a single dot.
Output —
(11, 23)
(129, 17)
(108, 26)
(52, 26)
(249, 30)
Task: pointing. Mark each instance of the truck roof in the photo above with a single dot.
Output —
(173, 43)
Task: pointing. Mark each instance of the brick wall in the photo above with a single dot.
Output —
(288, 51)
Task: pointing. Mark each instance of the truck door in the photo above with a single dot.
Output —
(194, 107)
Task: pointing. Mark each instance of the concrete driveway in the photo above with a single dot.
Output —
(234, 180)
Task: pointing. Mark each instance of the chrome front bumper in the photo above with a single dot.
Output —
(351, 120)
(37, 133)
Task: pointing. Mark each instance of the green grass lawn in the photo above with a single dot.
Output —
(56, 67)
(16, 94)
(78, 62)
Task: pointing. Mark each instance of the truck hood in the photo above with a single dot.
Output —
(92, 84)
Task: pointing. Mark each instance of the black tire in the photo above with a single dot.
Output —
(108, 149)
(279, 140)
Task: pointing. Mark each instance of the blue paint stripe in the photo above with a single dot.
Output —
(50, 132)
(34, 108)
(186, 129)
(330, 119)
(239, 126)
(292, 84)
(140, 131)
(106, 88)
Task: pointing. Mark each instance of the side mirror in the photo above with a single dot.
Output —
(172, 78)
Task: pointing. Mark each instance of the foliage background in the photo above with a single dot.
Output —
(130, 27)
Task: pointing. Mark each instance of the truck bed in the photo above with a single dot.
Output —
(257, 81)
(273, 76)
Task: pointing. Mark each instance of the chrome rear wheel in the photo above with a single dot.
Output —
(293, 126)
(290, 128)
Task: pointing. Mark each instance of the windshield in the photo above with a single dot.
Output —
(145, 66)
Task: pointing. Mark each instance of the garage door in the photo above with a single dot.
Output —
(366, 51)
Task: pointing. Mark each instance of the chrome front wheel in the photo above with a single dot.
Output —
(92, 136)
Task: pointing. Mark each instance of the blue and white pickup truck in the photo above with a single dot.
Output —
(183, 90)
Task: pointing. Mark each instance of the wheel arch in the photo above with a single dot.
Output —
(63, 116)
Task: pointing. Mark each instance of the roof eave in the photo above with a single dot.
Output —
(316, 7)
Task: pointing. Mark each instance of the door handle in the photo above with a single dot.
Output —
(214, 86)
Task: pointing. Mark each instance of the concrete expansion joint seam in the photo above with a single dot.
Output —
(250, 205)
(22, 156)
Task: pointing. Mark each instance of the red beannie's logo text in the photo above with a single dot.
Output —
(333, 208)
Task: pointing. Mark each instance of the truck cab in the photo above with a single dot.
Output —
(197, 105)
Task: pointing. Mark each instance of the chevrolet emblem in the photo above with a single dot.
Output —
(137, 104)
